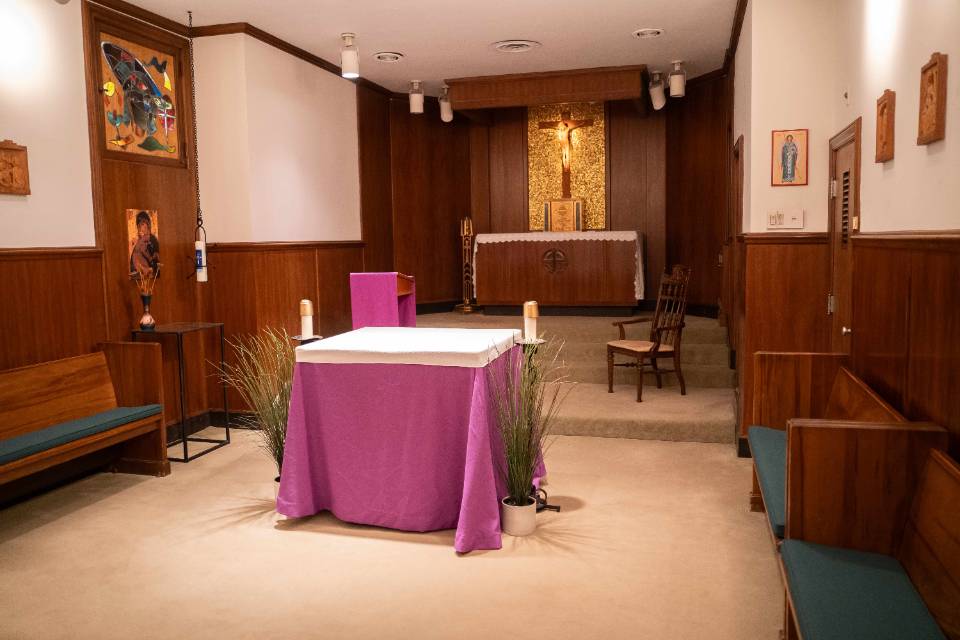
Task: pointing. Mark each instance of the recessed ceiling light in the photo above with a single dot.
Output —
(515, 46)
(388, 56)
(643, 34)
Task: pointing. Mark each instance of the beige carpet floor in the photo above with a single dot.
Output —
(655, 541)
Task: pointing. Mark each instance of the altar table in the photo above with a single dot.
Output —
(394, 427)
(575, 268)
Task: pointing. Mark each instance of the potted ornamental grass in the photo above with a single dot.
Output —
(527, 393)
(263, 375)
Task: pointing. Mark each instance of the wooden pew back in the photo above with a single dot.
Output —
(851, 399)
(851, 483)
(930, 548)
(41, 395)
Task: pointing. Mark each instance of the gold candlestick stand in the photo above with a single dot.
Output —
(466, 245)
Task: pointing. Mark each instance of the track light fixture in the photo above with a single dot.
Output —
(416, 96)
(678, 80)
(349, 57)
(446, 109)
(657, 96)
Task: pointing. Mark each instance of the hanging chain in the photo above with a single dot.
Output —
(193, 103)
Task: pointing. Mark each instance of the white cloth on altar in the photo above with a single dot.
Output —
(411, 345)
(563, 236)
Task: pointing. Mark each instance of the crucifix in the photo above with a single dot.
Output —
(564, 128)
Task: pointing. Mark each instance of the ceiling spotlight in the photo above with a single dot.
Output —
(515, 46)
(643, 34)
(657, 97)
(416, 96)
(677, 79)
(446, 109)
(388, 56)
(349, 57)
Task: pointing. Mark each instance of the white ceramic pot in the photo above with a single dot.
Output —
(518, 521)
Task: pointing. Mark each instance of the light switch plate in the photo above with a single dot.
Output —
(785, 219)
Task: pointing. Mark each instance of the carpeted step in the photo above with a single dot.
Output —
(663, 415)
(704, 353)
(695, 375)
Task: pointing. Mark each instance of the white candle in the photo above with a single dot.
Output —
(306, 319)
(530, 313)
(200, 249)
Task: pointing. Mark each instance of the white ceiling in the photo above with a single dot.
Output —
(450, 39)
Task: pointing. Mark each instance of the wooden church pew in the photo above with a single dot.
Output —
(839, 587)
(818, 386)
(54, 412)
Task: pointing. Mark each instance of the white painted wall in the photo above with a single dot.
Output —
(279, 158)
(793, 50)
(803, 57)
(884, 45)
(43, 105)
(742, 83)
(224, 145)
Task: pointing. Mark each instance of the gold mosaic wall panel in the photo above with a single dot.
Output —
(587, 162)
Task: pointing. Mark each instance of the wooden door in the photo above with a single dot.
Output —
(844, 208)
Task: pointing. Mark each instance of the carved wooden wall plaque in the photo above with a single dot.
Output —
(933, 100)
(14, 175)
(886, 122)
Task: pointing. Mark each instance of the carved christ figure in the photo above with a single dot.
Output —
(565, 128)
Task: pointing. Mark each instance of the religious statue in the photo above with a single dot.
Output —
(788, 159)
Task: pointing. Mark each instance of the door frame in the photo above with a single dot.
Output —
(851, 134)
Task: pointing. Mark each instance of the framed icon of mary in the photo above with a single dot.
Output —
(788, 162)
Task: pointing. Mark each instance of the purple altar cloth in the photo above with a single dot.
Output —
(403, 446)
(374, 301)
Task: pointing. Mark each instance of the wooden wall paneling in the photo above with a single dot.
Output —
(636, 181)
(334, 266)
(431, 192)
(697, 156)
(508, 171)
(254, 286)
(283, 277)
(792, 385)
(881, 300)
(552, 87)
(933, 365)
(140, 182)
(52, 304)
(231, 299)
(786, 282)
(373, 130)
(480, 176)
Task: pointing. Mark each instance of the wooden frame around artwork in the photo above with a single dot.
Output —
(886, 126)
(804, 153)
(932, 121)
(100, 21)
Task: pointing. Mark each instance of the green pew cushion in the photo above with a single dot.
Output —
(769, 449)
(844, 594)
(58, 434)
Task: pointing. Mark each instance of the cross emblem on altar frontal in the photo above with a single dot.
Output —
(565, 128)
(554, 260)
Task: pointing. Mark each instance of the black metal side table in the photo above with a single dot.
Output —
(179, 329)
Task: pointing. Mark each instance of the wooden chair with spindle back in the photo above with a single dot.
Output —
(666, 330)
